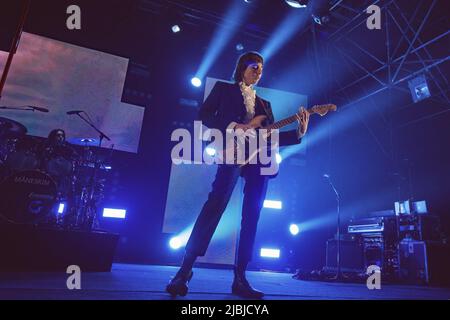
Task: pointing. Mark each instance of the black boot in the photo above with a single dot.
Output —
(179, 284)
(242, 288)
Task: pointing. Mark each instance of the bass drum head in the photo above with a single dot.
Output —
(27, 196)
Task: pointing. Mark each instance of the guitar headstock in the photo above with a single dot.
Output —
(322, 109)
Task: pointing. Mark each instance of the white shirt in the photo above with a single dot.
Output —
(249, 95)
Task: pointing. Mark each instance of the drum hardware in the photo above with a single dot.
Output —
(37, 176)
(89, 195)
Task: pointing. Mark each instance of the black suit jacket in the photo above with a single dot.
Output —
(225, 104)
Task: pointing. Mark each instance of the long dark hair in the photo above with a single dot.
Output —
(243, 62)
(52, 135)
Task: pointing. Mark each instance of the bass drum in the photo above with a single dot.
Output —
(27, 196)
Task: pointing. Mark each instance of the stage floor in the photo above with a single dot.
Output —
(147, 282)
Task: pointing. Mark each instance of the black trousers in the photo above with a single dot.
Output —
(254, 193)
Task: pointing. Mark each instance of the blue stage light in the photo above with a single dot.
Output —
(270, 253)
(175, 243)
(210, 151)
(278, 158)
(61, 207)
(273, 204)
(235, 15)
(419, 88)
(284, 32)
(196, 82)
(176, 28)
(114, 213)
(297, 3)
(294, 229)
(180, 239)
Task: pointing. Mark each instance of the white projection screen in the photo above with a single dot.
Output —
(63, 77)
(190, 184)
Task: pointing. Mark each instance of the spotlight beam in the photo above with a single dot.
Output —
(236, 13)
(284, 32)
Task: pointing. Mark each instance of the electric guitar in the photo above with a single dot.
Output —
(232, 150)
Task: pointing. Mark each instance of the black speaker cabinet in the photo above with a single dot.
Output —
(351, 257)
(424, 262)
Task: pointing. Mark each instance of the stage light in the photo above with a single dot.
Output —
(419, 88)
(321, 19)
(210, 151)
(176, 28)
(321, 14)
(196, 82)
(270, 253)
(278, 158)
(294, 229)
(175, 243)
(239, 47)
(272, 204)
(297, 3)
(114, 213)
(61, 207)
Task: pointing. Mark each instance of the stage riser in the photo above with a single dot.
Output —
(29, 248)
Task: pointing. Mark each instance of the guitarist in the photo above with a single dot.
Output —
(231, 106)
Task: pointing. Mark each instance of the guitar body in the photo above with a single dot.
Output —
(257, 121)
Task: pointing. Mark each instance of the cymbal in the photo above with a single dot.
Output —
(86, 142)
(10, 128)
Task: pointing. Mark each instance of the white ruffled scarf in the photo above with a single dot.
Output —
(249, 95)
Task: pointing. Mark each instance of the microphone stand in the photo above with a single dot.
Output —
(338, 256)
(89, 208)
(101, 134)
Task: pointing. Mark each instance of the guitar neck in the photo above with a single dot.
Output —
(284, 122)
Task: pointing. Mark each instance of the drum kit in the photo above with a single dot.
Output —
(43, 183)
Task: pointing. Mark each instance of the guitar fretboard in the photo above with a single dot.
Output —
(284, 122)
(281, 123)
